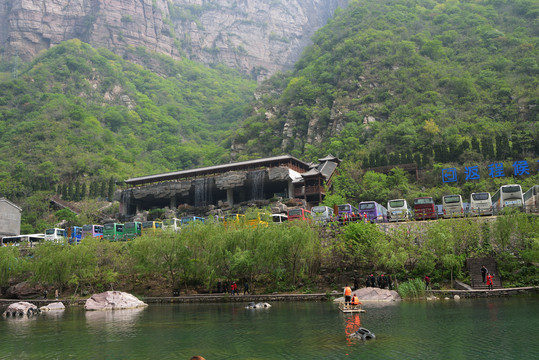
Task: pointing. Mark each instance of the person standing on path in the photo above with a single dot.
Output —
(347, 294)
(246, 288)
(56, 294)
(490, 282)
(484, 272)
(427, 282)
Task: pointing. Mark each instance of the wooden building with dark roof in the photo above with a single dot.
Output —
(262, 179)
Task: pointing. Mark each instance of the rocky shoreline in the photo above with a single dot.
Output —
(226, 298)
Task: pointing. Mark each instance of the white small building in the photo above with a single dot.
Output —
(10, 218)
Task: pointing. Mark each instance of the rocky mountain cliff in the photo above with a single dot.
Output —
(256, 36)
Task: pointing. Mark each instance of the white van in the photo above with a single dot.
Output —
(398, 210)
(452, 206)
(322, 214)
(480, 204)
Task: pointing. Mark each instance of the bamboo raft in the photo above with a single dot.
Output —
(350, 308)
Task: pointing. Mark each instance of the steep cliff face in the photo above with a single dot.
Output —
(258, 37)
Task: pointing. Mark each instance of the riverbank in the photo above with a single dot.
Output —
(227, 298)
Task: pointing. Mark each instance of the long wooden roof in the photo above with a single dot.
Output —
(284, 160)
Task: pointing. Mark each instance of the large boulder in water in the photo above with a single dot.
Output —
(113, 300)
(374, 294)
(21, 309)
(55, 306)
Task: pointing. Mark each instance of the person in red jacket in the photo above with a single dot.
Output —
(489, 281)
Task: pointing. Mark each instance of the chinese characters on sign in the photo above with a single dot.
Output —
(495, 170)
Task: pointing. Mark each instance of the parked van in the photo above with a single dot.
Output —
(172, 224)
(322, 214)
(480, 204)
(452, 206)
(398, 210)
(279, 218)
(424, 208)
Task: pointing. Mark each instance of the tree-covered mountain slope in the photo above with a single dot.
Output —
(77, 113)
(394, 81)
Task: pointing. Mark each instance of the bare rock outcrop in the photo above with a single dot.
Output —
(374, 294)
(23, 290)
(256, 36)
(113, 300)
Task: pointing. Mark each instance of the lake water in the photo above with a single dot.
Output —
(496, 328)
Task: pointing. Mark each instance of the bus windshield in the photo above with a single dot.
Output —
(318, 209)
(366, 206)
(396, 203)
(480, 196)
(511, 189)
(109, 226)
(49, 231)
(294, 212)
(344, 208)
(451, 199)
(422, 201)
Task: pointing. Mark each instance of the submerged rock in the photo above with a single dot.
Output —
(21, 309)
(259, 305)
(56, 306)
(113, 300)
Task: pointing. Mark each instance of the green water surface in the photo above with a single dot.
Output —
(497, 328)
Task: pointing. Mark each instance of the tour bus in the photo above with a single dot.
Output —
(452, 206)
(531, 199)
(346, 213)
(257, 218)
(322, 214)
(132, 230)
(299, 214)
(424, 208)
(234, 220)
(94, 231)
(55, 234)
(187, 220)
(398, 210)
(173, 224)
(28, 240)
(507, 196)
(113, 231)
(279, 218)
(480, 204)
(372, 212)
(74, 234)
(151, 226)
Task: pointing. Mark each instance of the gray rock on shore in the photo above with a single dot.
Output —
(113, 300)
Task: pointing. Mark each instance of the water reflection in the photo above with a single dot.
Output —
(114, 321)
(352, 324)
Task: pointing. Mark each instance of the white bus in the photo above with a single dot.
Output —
(322, 214)
(480, 204)
(172, 224)
(55, 234)
(452, 206)
(398, 210)
(531, 199)
(28, 240)
(507, 196)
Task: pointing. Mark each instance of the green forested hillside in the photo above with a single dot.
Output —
(396, 81)
(76, 113)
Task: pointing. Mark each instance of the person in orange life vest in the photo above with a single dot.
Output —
(347, 294)
(489, 281)
(355, 300)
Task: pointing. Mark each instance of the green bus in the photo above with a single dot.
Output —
(132, 230)
(113, 231)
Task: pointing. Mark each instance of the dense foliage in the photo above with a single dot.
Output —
(282, 257)
(79, 114)
(391, 82)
